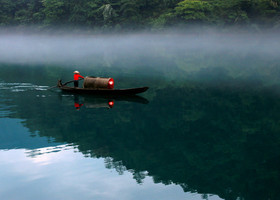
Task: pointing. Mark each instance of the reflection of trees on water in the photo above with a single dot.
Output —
(139, 176)
(221, 140)
(118, 165)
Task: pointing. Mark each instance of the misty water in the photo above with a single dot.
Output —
(207, 128)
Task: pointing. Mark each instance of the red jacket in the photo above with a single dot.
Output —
(77, 76)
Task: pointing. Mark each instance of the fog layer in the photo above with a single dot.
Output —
(88, 49)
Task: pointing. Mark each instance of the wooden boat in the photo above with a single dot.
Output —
(101, 91)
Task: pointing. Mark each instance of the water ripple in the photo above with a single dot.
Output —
(22, 87)
(47, 150)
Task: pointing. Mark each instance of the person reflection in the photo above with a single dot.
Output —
(77, 103)
(78, 106)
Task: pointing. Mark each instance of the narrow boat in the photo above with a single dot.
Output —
(101, 91)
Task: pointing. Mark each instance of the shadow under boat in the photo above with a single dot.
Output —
(105, 101)
(104, 98)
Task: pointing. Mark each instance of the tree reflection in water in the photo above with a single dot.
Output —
(214, 140)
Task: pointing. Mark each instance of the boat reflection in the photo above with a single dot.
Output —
(100, 101)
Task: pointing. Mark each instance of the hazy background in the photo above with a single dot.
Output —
(211, 55)
(58, 48)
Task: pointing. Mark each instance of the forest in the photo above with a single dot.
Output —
(140, 14)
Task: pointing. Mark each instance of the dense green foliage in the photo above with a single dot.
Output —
(120, 14)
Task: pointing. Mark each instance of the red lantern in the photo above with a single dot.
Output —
(111, 83)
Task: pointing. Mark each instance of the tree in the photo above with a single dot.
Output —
(108, 14)
(266, 12)
(54, 11)
(129, 12)
(230, 12)
(193, 10)
(6, 12)
(94, 17)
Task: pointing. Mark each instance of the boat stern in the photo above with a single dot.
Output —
(59, 83)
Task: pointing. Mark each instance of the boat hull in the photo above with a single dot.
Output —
(130, 91)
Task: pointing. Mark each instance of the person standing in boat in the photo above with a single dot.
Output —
(76, 78)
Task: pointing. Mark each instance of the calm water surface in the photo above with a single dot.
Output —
(210, 132)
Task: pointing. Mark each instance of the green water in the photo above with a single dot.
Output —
(210, 132)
